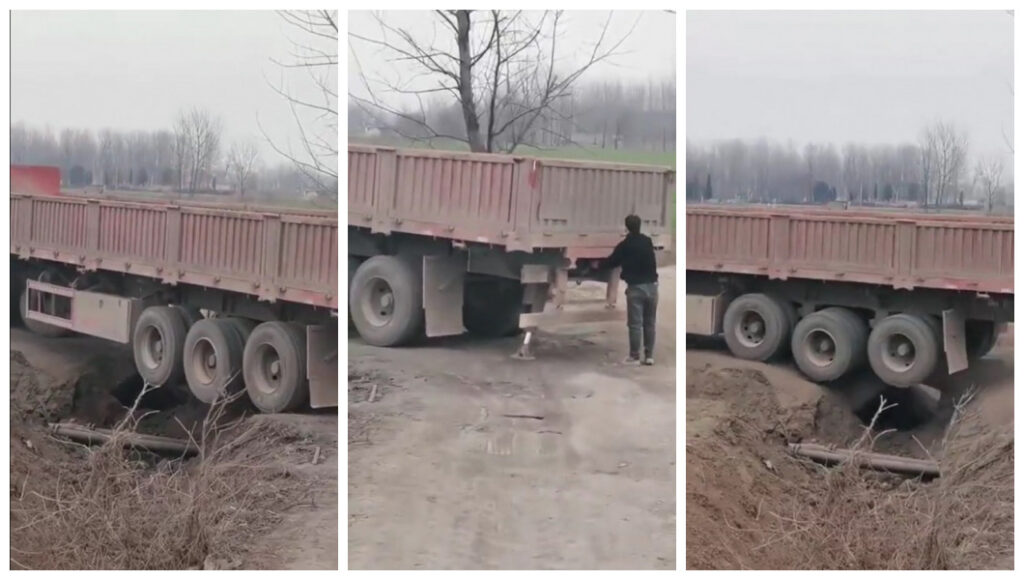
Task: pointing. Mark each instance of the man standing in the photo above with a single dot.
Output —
(635, 255)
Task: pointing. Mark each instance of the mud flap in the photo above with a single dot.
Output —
(322, 365)
(953, 339)
(444, 278)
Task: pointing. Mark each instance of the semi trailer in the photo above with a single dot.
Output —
(907, 293)
(445, 242)
(213, 299)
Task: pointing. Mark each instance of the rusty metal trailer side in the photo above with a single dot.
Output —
(902, 250)
(275, 256)
(518, 203)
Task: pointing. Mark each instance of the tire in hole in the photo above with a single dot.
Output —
(213, 359)
(903, 350)
(757, 327)
(829, 344)
(386, 300)
(274, 365)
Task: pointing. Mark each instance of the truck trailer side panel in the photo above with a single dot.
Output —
(519, 203)
(275, 256)
(902, 250)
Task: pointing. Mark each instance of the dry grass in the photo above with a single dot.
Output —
(114, 508)
(861, 520)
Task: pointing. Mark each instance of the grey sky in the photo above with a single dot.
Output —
(649, 52)
(871, 76)
(135, 70)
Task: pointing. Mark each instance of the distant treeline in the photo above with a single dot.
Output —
(151, 160)
(935, 171)
(610, 115)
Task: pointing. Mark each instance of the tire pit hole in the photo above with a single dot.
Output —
(906, 409)
(156, 399)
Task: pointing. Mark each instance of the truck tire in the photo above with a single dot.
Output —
(213, 359)
(274, 366)
(40, 328)
(980, 336)
(158, 342)
(491, 309)
(903, 350)
(829, 343)
(386, 301)
(756, 327)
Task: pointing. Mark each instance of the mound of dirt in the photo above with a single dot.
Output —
(737, 470)
(752, 505)
(108, 507)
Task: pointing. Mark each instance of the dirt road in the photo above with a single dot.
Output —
(295, 508)
(469, 459)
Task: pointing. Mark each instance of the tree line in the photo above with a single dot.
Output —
(607, 115)
(934, 171)
(189, 157)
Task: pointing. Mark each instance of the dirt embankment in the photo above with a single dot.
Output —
(252, 499)
(750, 505)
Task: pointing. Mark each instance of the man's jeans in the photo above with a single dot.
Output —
(641, 311)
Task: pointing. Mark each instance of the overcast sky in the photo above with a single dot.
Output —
(871, 76)
(135, 70)
(649, 52)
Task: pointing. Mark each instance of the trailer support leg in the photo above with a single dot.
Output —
(525, 351)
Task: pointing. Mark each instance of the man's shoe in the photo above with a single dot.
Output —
(649, 362)
(632, 360)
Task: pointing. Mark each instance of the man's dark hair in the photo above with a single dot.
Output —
(633, 224)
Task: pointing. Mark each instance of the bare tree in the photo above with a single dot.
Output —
(196, 144)
(242, 160)
(943, 159)
(988, 174)
(504, 79)
(316, 117)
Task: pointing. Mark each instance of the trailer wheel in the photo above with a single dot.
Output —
(980, 336)
(491, 308)
(158, 342)
(386, 301)
(756, 327)
(275, 367)
(213, 359)
(903, 350)
(829, 343)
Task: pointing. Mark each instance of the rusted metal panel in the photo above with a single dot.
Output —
(901, 249)
(288, 256)
(518, 203)
(35, 179)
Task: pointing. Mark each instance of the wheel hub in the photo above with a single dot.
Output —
(269, 370)
(378, 303)
(898, 353)
(152, 348)
(820, 347)
(204, 361)
(751, 331)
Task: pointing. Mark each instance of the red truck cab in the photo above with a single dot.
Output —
(35, 179)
